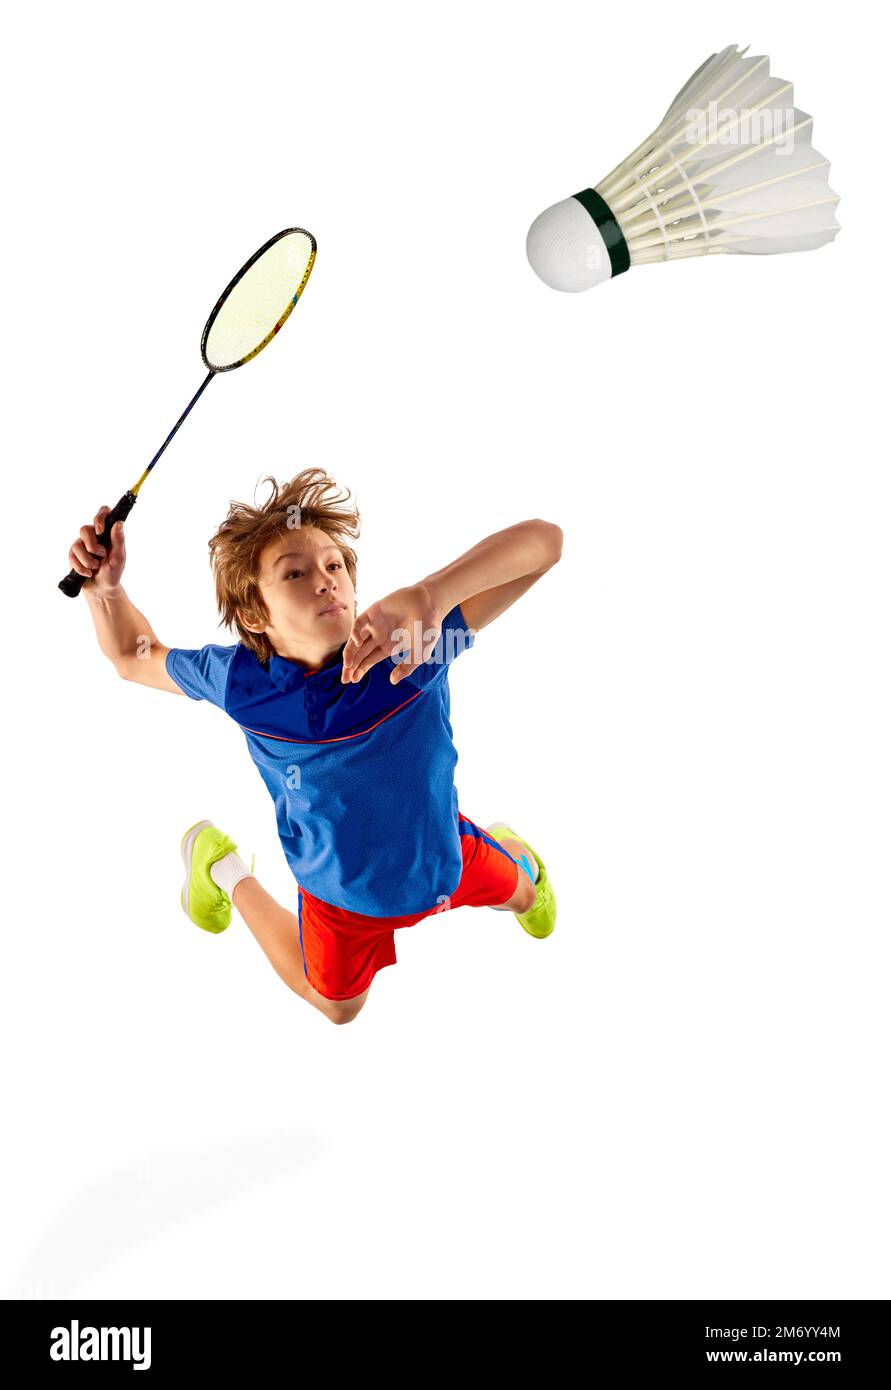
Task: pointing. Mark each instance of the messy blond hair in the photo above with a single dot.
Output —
(237, 545)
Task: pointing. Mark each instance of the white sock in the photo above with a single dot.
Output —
(228, 871)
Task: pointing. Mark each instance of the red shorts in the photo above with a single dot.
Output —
(342, 951)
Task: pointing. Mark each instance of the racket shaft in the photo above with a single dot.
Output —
(73, 582)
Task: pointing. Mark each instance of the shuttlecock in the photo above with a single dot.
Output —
(731, 168)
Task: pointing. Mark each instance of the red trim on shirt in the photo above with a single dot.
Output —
(342, 737)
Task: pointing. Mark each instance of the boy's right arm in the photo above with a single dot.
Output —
(124, 635)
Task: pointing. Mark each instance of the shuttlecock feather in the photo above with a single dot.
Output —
(731, 168)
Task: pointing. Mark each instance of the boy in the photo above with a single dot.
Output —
(346, 716)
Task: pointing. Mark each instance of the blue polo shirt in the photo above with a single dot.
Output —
(362, 775)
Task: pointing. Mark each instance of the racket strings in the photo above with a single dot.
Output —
(254, 308)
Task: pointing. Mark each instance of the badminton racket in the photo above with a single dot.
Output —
(248, 314)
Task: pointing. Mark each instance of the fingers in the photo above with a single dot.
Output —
(82, 561)
(400, 672)
(415, 652)
(117, 553)
(374, 652)
(367, 655)
(360, 643)
(115, 542)
(88, 553)
(362, 629)
(91, 541)
(353, 662)
(369, 643)
(410, 653)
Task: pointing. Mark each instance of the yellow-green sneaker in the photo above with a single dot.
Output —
(203, 902)
(541, 918)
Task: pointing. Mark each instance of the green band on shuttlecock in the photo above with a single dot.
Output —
(613, 238)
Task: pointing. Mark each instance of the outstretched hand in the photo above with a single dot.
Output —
(408, 620)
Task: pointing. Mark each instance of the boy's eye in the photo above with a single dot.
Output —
(296, 574)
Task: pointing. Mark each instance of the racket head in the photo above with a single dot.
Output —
(258, 300)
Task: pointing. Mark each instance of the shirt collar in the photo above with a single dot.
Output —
(288, 674)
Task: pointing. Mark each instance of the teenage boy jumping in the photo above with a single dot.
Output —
(346, 716)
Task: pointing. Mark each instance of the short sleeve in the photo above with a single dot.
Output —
(454, 638)
(202, 673)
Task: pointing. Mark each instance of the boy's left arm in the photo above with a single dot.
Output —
(491, 576)
(485, 581)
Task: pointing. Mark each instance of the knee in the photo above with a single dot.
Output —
(338, 1015)
(345, 1010)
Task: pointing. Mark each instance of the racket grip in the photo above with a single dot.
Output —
(73, 582)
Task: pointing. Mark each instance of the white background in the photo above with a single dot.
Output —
(683, 1092)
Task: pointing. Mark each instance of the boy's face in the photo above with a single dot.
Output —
(309, 596)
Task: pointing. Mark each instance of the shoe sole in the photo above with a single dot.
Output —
(186, 847)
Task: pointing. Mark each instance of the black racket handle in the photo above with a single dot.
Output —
(73, 582)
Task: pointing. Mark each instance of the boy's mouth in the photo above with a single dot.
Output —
(332, 608)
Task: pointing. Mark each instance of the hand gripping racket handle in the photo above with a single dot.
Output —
(73, 582)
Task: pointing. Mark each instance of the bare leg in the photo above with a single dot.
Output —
(524, 894)
(276, 930)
